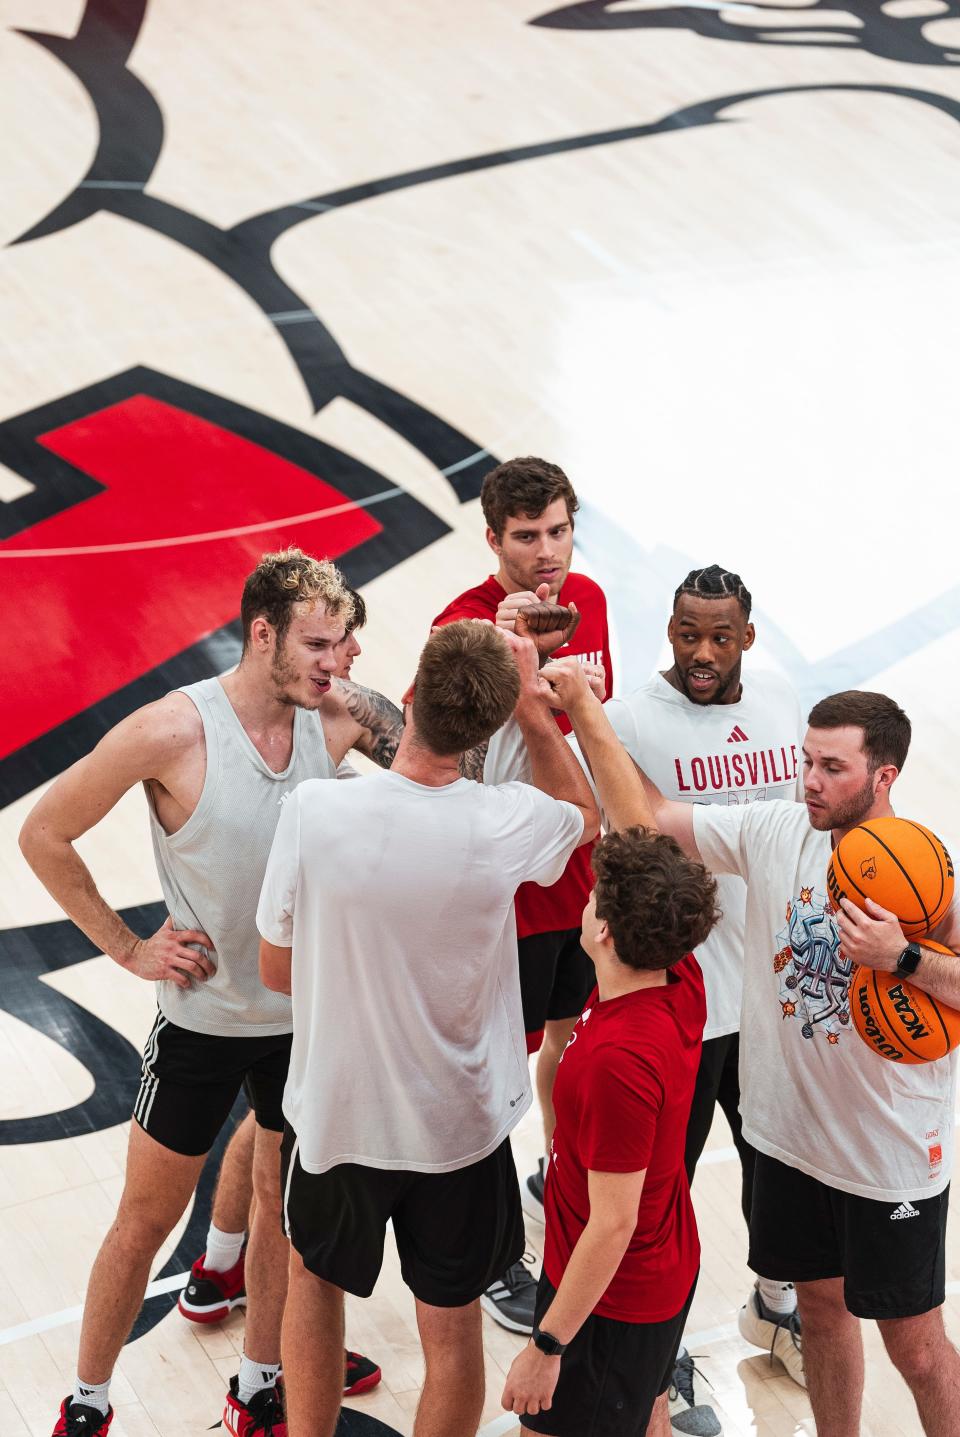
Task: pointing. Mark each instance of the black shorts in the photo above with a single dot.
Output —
(610, 1375)
(456, 1232)
(718, 1085)
(190, 1081)
(556, 978)
(889, 1254)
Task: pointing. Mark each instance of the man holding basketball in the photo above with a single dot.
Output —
(854, 1153)
(529, 507)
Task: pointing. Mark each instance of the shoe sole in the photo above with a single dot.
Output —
(364, 1384)
(510, 1323)
(210, 1314)
(531, 1206)
(749, 1324)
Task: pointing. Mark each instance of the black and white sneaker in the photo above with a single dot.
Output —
(531, 1194)
(688, 1414)
(511, 1300)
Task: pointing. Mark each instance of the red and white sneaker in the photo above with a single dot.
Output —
(212, 1296)
(262, 1416)
(76, 1420)
(361, 1374)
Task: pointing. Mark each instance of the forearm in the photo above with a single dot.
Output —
(593, 1263)
(939, 975)
(553, 768)
(623, 797)
(68, 880)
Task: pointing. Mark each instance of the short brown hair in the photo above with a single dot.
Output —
(291, 577)
(657, 903)
(524, 486)
(886, 728)
(467, 686)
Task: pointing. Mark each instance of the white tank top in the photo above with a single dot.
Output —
(211, 870)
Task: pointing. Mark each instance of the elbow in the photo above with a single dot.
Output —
(30, 840)
(276, 982)
(591, 825)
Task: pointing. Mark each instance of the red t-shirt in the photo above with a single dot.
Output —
(622, 1098)
(549, 910)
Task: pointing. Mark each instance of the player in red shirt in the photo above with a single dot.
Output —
(622, 1253)
(529, 506)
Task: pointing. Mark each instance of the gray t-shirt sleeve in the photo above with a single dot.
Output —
(279, 891)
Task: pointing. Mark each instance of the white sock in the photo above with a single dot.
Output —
(92, 1394)
(255, 1376)
(223, 1249)
(779, 1297)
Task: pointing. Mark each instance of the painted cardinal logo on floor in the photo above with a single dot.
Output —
(119, 608)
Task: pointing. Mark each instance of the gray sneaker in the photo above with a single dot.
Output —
(687, 1413)
(511, 1300)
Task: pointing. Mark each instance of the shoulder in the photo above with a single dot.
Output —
(479, 602)
(169, 725)
(582, 589)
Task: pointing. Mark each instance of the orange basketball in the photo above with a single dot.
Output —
(898, 1020)
(899, 864)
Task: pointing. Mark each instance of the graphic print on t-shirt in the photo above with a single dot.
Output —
(814, 975)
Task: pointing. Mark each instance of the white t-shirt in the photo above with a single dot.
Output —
(717, 753)
(397, 898)
(813, 1094)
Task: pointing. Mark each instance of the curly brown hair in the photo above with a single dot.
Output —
(657, 903)
(467, 686)
(289, 577)
(524, 486)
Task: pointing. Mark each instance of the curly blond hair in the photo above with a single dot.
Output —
(291, 577)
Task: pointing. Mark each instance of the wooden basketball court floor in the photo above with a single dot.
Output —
(304, 272)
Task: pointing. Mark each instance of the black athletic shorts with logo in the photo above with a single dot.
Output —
(610, 1375)
(190, 1081)
(556, 978)
(456, 1232)
(889, 1254)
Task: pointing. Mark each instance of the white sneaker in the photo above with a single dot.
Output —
(778, 1332)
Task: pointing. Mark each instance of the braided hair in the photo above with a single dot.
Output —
(715, 583)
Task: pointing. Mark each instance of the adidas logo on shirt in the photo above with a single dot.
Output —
(738, 735)
(905, 1210)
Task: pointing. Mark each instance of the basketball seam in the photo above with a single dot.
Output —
(889, 850)
(933, 842)
(894, 1033)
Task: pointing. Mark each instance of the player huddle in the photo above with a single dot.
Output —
(372, 958)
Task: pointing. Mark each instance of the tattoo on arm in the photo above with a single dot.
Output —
(381, 720)
(471, 762)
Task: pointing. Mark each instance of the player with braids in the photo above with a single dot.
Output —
(707, 736)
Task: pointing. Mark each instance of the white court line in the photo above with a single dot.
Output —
(716, 1155)
(132, 545)
(74, 1314)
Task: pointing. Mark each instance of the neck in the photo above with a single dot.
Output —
(613, 981)
(254, 698)
(421, 765)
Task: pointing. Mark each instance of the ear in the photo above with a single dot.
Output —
(887, 776)
(749, 634)
(261, 633)
(494, 542)
(670, 630)
(408, 696)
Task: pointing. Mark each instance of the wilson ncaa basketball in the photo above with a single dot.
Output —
(899, 864)
(899, 1020)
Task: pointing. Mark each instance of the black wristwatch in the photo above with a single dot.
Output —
(909, 960)
(545, 1343)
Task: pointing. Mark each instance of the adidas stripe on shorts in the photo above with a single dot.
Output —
(190, 1081)
(889, 1254)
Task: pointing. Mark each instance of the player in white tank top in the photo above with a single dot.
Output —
(262, 720)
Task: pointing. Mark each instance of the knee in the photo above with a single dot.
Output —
(916, 1348)
(822, 1306)
(143, 1231)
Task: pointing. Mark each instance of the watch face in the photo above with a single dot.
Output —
(909, 959)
